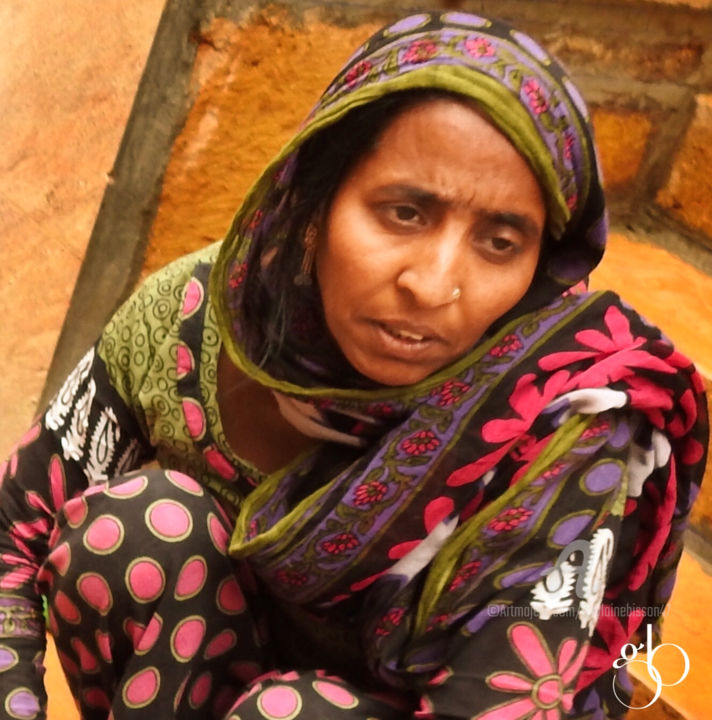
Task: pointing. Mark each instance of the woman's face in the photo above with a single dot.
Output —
(443, 202)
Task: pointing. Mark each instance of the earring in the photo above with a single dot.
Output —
(456, 293)
(304, 276)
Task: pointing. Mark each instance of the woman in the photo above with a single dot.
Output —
(451, 487)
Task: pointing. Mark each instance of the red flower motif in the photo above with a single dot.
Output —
(290, 577)
(340, 543)
(523, 449)
(595, 430)
(256, 218)
(548, 690)
(616, 356)
(554, 471)
(527, 401)
(509, 343)
(509, 519)
(357, 72)
(380, 409)
(392, 619)
(537, 101)
(568, 145)
(450, 393)
(420, 51)
(467, 571)
(479, 47)
(370, 492)
(420, 443)
(438, 620)
(237, 275)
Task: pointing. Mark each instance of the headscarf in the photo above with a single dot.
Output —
(513, 81)
(427, 509)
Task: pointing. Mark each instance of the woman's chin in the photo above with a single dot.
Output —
(393, 374)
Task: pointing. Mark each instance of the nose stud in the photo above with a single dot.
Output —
(456, 294)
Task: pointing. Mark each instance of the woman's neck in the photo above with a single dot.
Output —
(253, 425)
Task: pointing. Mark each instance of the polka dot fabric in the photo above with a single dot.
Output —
(314, 694)
(161, 625)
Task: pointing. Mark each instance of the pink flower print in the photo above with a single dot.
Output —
(614, 634)
(548, 693)
(651, 540)
(509, 343)
(380, 409)
(527, 401)
(370, 492)
(11, 464)
(509, 519)
(537, 101)
(616, 354)
(438, 621)
(420, 443)
(237, 275)
(554, 471)
(479, 47)
(524, 447)
(572, 202)
(450, 393)
(390, 621)
(467, 571)
(420, 51)
(358, 71)
(596, 430)
(256, 218)
(341, 543)
(568, 146)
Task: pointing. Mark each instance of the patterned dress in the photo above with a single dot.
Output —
(151, 615)
(480, 544)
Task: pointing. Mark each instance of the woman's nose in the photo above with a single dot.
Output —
(432, 272)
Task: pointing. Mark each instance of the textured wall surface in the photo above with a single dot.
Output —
(68, 77)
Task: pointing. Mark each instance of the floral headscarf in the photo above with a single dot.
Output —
(451, 503)
(525, 93)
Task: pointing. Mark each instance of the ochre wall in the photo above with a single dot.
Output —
(69, 73)
(256, 82)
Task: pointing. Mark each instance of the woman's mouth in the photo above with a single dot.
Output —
(405, 340)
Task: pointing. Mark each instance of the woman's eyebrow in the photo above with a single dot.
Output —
(414, 192)
(519, 221)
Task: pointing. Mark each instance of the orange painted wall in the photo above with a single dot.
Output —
(68, 76)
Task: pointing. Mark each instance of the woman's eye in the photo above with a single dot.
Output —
(501, 244)
(498, 248)
(405, 214)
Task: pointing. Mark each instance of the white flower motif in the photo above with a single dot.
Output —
(61, 405)
(102, 446)
(76, 437)
(594, 583)
(553, 594)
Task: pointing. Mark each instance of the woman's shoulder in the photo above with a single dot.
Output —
(148, 324)
(179, 272)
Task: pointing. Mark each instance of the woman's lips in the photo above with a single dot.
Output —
(406, 340)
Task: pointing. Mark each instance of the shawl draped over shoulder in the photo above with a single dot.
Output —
(522, 508)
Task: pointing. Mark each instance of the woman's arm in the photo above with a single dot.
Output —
(95, 429)
(548, 618)
(87, 435)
